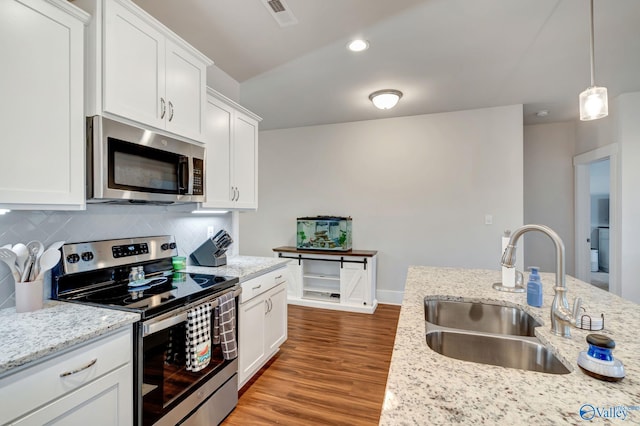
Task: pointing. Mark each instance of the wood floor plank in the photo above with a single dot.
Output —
(332, 370)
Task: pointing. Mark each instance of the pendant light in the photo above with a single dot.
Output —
(593, 101)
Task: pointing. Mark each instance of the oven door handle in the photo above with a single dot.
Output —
(148, 329)
(154, 327)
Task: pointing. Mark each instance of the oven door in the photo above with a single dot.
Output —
(167, 391)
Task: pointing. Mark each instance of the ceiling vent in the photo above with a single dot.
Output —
(279, 9)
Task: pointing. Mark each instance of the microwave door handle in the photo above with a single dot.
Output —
(183, 175)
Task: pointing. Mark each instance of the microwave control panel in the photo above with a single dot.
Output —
(198, 176)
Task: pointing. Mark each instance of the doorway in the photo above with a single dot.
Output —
(596, 189)
(600, 194)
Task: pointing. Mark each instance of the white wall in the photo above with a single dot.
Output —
(548, 192)
(222, 82)
(628, 136)
(418, 188)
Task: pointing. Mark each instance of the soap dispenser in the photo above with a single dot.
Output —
(534, 288)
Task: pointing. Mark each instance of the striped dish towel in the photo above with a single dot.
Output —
(224, 318)
(198, 337)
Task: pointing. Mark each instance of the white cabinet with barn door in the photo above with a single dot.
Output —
(343, 281)
(91, 384)
(42, 108)
(145, 73)
(262, 322)
(232, 154)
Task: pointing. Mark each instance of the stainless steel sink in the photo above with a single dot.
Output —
(510, 352)
(488, 334)
(482, 317)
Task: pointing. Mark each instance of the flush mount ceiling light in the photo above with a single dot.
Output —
(593, 101)
(385, 99)
(358, 45)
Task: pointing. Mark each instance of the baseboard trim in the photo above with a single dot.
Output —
(389, 297)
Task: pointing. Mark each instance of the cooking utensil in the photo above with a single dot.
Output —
(35, 248)
(22, 253)
(48, 260)
(9, 257)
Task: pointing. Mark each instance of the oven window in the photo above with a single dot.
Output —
(137, 167)
(166, 380)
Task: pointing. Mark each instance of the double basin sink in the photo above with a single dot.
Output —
(487, 334)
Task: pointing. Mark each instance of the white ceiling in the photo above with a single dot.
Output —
(444, 55)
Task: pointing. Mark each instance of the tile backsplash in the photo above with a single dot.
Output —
(101, 222)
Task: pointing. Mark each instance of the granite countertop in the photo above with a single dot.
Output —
(31, 336)
(243, 267)
(425, 387)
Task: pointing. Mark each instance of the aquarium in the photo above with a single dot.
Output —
(324, 233)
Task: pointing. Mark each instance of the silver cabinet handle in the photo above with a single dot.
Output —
(256, 287)
(79, 369)
(266, 304)
(163, 108)
(238, 197)
(278, 277)
(170, 111)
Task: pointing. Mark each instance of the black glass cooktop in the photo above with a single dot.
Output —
(154, 295)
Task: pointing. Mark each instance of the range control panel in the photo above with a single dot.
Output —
(88, 256)
(130, 250)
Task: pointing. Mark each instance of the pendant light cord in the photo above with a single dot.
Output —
(593, 67)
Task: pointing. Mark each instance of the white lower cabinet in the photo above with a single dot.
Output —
(90, 385)
(262, 322)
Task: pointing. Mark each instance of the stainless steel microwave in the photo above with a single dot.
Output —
(130, 164)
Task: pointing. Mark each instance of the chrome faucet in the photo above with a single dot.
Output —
(561, 317)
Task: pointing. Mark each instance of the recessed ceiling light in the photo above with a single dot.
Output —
(542, 113)
(358, 45)
(385, 99)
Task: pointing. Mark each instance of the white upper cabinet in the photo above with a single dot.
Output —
(42, 108)
(134, 71)
(232, 155)
(146, 73)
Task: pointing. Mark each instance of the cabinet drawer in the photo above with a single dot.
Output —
(51, 379)
(259, 285)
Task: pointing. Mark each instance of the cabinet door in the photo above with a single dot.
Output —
(42, 108)
(251, 341)
(219, 118)
(107, 401)
(185, 93)
(276, 318)
(245, 161)
(294, 279)
(354, 284)
(134, 70)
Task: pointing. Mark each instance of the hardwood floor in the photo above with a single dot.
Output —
(332, 370)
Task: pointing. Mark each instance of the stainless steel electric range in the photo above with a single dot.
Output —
(137, 275)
